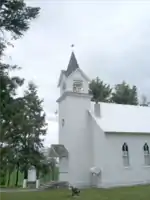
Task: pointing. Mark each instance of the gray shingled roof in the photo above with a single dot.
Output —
(72, 66)
(58, 150)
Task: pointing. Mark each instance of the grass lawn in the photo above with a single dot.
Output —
(130, 193)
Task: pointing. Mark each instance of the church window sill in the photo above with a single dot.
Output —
(127, 167)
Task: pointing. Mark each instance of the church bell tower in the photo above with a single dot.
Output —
(73, 103)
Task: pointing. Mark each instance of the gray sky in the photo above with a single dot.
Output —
(112, 41)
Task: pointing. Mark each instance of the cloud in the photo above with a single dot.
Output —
(111, 41)
(52, 117)
(52, 135)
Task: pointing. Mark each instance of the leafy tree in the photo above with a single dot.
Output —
(32, 127)
(99, 90)
(42, 167)
(124, 94)
(29, 123)
(52, 163)
(144, 101)
(10, 168)
(15, 18)
(11, 134)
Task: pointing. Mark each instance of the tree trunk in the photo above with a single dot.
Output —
(25, 178)
(53, 173)
(37, 179)
(26, 174)
(37, 174)
(8, 181)
(17, 175)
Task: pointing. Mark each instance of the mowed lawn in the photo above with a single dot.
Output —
(128, 193)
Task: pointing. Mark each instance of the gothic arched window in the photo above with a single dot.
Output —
(146, 154)
(62, 122)
(125, 154)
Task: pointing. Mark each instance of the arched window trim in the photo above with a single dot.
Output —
(125, 147)
(62, 122)
(146, 154)
(125, 151)
(146, 148)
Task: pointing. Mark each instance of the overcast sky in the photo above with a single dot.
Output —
(112, 41)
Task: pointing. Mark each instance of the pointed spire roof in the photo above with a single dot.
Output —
(72, 66)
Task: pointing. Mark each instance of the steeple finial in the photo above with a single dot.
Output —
(72, 46)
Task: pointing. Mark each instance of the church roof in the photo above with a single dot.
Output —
(123, 118)
(58, 150)
(72, 66)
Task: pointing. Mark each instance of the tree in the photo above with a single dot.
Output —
(99, 90)
(144, 101)
(10, 166)
(42, 168)
(15, 18)
(52, 163)
(26, 126)
(124, 94)
(33, 126)
(48, 165)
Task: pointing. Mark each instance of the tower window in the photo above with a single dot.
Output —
(77, 86)
(62, 122)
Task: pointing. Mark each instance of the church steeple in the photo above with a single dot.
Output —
(72, 66)
(73, 79)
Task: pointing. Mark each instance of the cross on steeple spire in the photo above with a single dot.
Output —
(72, 45)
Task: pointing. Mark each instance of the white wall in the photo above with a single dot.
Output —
(98, 148)
(89, 146)
(63, 166)
(75, 136)
(114, 173)
(64, 138)
(63, 80)
(32, 175)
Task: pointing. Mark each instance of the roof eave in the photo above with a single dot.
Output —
(56, 153)
(83, 74)
(60, 78)
(52, 153)
(122, 132)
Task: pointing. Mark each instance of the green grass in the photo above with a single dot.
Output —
(130, 193)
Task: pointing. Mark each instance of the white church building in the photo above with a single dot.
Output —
(101, 145)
